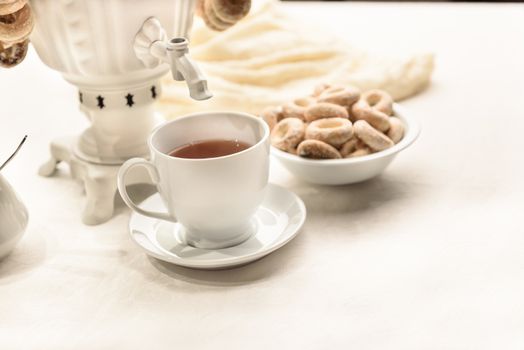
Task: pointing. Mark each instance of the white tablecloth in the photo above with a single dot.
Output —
(430, 255)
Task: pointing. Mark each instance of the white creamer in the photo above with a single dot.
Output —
(13, 218)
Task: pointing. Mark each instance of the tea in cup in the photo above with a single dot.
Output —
(211, 170)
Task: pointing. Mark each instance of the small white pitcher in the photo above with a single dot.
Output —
(13, 218)
(13, 213)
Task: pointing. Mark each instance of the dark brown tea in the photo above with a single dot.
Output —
(209, 149)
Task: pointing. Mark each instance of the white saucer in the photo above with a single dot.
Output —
(278, 220)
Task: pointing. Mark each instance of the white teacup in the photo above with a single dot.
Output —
(214, 199)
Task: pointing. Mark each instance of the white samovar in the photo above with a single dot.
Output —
(114, 52)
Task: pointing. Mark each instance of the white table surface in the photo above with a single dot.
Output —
(430, 255)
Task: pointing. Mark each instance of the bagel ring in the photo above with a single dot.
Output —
(333, 131)
(231, 11)
(8, 7)
(354, 148)
(341, 96)
(316, 149)
(360, 152)
(287, 134)
(16, 27)
(371, 137)
(210, 17)
(325, 110)
(349, 147)
(272, 115)
(396, 129)
(379, 100)
(320, 88)
(297, 108)
(304, 101)
(375, 107)
(14, 54)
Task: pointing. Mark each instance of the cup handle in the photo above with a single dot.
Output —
(122, 173)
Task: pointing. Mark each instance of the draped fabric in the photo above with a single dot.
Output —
(271, 57)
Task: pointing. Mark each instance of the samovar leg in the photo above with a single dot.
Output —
(100, 185)
(99, 181)
(61, 151)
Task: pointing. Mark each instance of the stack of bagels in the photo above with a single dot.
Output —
(16, 24)
(335, 122)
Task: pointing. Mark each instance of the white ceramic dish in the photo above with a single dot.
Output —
(349, 170)
(277, 221)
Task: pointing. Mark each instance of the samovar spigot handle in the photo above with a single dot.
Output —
(152, 48)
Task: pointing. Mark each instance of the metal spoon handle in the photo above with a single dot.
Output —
(14, 153)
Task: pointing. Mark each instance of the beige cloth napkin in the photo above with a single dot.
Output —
(270, 58)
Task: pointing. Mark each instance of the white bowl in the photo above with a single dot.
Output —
(349, 170)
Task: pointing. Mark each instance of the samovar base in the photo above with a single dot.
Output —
(98, 180)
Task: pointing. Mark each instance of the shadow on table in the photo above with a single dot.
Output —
(271, 266)
(373, 197)
(138, 192)
(27, 255)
